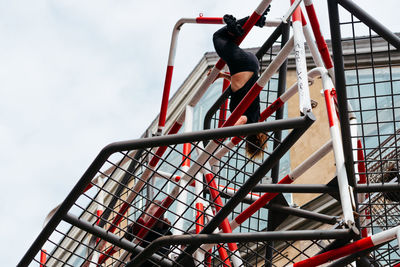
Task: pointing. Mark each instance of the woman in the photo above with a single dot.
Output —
(243, 67)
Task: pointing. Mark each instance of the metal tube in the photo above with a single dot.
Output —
(378, 187)
(294, 188)
(194, 240)
(303, 213)
(340, 83)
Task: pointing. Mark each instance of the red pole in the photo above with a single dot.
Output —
(224, 106)
(43, 255)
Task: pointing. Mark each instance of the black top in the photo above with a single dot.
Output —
(253, 111)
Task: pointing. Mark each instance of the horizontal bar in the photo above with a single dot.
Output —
(246, 129)
(113, 239)
(303, 213)
(294, 188)
(366, 188)
(236, 237)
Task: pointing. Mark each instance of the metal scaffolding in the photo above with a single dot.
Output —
(196, 199)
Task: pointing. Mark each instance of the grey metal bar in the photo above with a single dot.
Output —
(211, 134)
(294, 188)
(236, 237)
(264, 168)
(112, 238)
(294, 211)
(304, 213)
(371, 22)
(273, 220)
(367, 188)
(341, 89)
(139, 144)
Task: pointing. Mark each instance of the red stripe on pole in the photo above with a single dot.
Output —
(185, 157)
(224, 106)
(208, 259)
(303, 19)
(224, 256)
(296, 16)
(165, 97)
(329, 107)
(98, 213)
(278, 103)
(261, 202)
(361, 163)
(42, 257)
(247, 26)
(364, 232)
(322, 46)
(226, 227)
(160, 151)
(165, 204)
(88, 187)
(334, 254)
(199, 217)
(209, 20)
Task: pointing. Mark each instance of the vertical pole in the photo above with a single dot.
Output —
(278, 137)
(340, 82)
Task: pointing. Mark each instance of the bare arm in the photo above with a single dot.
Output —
(223, 75)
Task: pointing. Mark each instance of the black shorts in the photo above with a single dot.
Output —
(253, 111)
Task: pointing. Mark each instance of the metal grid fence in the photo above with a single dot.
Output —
(372, 80)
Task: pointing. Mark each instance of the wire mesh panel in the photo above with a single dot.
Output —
(133, 199)
(372, 77)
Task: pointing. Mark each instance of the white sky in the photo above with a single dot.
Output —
(77, 75)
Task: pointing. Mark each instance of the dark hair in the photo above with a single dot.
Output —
(255, 145)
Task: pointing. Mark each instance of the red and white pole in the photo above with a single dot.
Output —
(352, 248)
(321, 43)
(344, 188)
(171, 60)
(300, 59)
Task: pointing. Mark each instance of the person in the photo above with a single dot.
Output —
(161, 228)
(243, 67)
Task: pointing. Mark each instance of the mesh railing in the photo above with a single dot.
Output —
(372, 80)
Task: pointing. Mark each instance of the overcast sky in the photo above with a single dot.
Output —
(77, 75)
